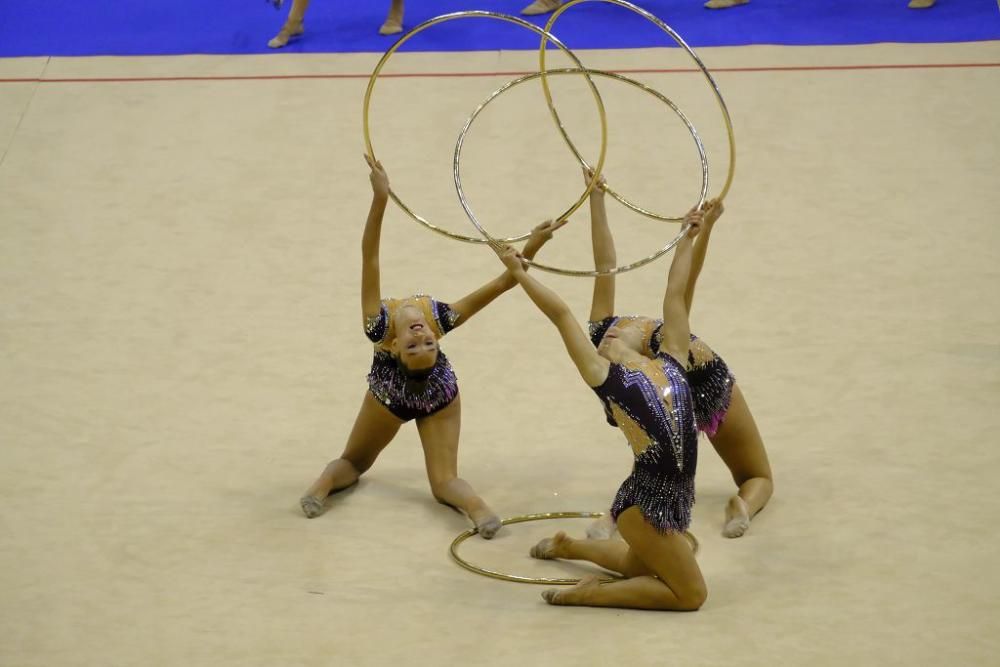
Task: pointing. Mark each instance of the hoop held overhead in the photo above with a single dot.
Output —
(680, 42)
(547, 37)
(611, 75)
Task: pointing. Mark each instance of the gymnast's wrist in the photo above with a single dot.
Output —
(516, 273)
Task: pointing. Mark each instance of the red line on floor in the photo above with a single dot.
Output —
(438, 75)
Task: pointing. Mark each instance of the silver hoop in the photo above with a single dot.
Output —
(547, 37)
(611, 75)
(680, 42)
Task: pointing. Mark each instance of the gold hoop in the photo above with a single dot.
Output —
(504, 576)
(680, 42)
(611, 75)
(547, 37)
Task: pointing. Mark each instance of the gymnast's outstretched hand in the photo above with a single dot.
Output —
(378, 177)
(695, 219)
(600, 187)
(712, 210)
(540, 235)
(510, 257)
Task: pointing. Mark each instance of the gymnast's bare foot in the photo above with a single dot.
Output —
(737, 518)
(551, 547)
(487, 523)
(724, 4)
(921, 4)
(311, 506)
(541, 7)
(391, 27)
(577, 594)
(602, 529)
(394, 21)
(289, 31)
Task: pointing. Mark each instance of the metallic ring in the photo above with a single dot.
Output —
(535, 517)
(680, 42)
(506, 522)
(546, 37)
(611, 75)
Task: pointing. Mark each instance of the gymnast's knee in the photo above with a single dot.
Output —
(692, 597)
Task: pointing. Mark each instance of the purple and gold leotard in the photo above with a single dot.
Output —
(651, 403)
(387, 382)
(709, 377)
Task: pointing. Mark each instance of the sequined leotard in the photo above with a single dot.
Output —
(709, 377)
(651, 402)
(386, 380)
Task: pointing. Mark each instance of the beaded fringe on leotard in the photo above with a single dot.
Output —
(389, 385)
(664, 500)
(712, 390)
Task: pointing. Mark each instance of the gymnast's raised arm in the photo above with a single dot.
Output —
(371, 290)
(471, 304)
(602, 304)
(676, 330)
(713, 209)
(593, 368)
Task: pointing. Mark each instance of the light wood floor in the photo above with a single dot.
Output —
(180, 354)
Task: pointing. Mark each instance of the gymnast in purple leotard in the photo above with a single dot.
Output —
(720, 408)
(411, 379)
(650, 401)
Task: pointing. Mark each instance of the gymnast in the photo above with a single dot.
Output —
(295, 24)
(411, 378)
(720, 409)
(546, 6)
(651, 402)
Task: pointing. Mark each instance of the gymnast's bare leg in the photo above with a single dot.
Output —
(374, 428)
(294, 25)
(439, 434)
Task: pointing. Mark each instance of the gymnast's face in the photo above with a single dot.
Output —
(621, 340)
(415, 343)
